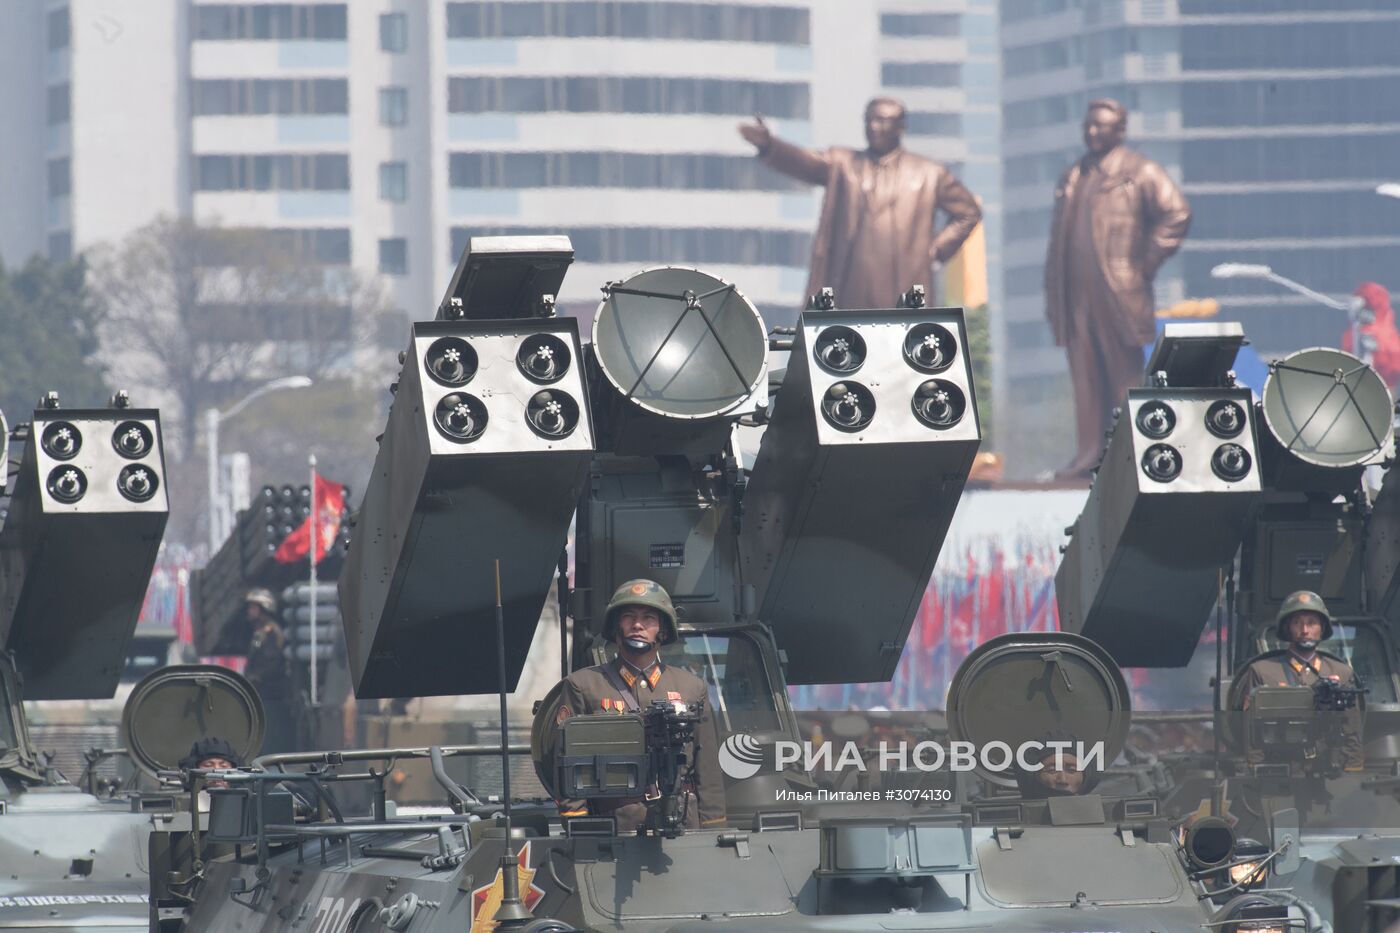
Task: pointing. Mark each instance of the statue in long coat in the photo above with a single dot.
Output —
(877, 235)
(1118, 216)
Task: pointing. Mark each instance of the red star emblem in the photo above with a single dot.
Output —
(487, 898)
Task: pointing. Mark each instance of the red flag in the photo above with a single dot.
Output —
(328, 501)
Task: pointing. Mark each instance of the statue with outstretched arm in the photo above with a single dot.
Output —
(878, 233)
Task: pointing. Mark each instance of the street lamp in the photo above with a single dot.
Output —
(1241, 270)
(1390, 189)
(1355, 309)
(212, 418)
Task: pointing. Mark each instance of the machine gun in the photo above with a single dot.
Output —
(643, 754)
(1332, 697)
(670, 730)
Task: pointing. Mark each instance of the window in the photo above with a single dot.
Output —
(1294, 214)
(629, 19)
(703, 171)
(1042, 56)
(1288, 102)
(1027, 224)
(328, 246)
(920, 74)
(60, 177)
(393, 32)
(737, 682)
(59, 103)
(1291, 158)
(393, 106)
(391, 327)
(215, 173)
(919, 123)
(1029, 335)
(59, 29)
(393, 181)
(1015, 10)
(1043, 168)
(1025, 281)
(279, 172)
(262, 21)
(1212, 7)
(1226, 46)
(920, 24)
(282, 96)
(594, 94)
(323, 245)
(328, 21)
(393, 256)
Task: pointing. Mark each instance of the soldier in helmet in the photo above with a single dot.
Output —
(639, 620)
(212, 753)
(1303, 622)
(268, 670)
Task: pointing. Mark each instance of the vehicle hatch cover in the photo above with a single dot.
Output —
(1018, 687)
(172, 707)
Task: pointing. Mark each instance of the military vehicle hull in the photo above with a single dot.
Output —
(750, 881)
(72, 863)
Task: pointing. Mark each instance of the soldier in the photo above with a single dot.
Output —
(1303, 622)
(268, 670)
(640, 619)
(1061, 774)
(211, 753)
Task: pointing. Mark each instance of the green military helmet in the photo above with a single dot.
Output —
(1303, 601)
(647, 593)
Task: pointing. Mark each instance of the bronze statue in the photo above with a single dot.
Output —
(1118, 217)
(876, 237)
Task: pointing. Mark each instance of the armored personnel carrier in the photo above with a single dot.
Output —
(804, 565)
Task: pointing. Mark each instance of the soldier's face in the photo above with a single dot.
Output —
(215, 763)
(639, 622)
(884, 125)
(1102, 130)
(1068, 780)
(1305, 626)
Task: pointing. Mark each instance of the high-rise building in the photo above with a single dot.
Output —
(1275, 115)
(380, 134)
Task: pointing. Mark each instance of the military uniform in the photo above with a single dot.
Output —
(1289, 669)
(592, 690)
(271, 674)
(618, 687)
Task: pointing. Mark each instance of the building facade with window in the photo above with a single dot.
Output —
(384, 133)
(1275, 115)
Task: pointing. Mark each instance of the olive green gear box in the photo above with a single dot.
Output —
(602, 756)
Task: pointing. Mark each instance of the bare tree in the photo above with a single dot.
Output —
(198, 315)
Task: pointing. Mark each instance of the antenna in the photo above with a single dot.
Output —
(512, 909)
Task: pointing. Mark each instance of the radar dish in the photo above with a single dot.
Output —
(1328, 408)
(680, 343)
